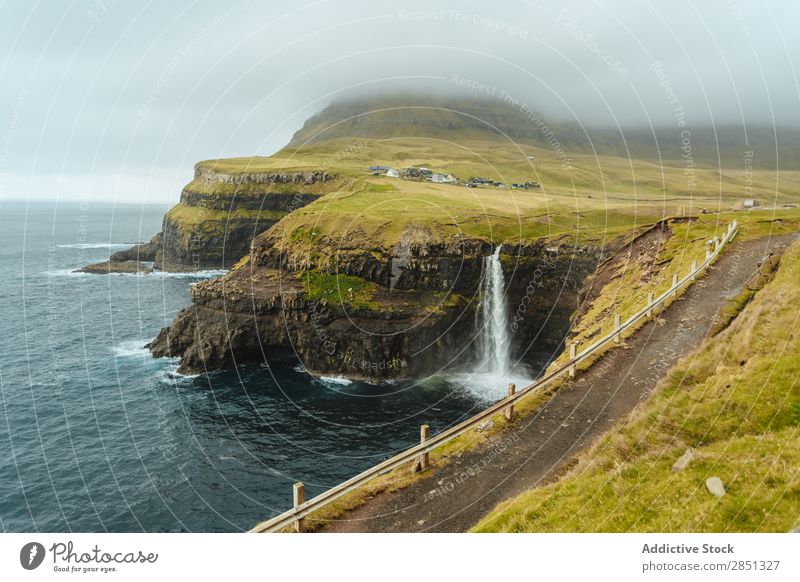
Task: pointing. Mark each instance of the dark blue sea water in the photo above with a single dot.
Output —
(95, 435)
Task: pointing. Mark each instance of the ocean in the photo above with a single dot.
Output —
(96, 435)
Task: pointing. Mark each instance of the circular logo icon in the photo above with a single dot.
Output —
(31, 555)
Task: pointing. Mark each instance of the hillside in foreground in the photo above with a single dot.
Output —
(735, 404)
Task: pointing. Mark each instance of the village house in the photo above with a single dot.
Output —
(746, 204)
(444, 178)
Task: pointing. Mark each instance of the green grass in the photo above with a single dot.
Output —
(735, 401)
(338, 289)
(372, 187)
(379, 215)
(592, 179)
(761, 494)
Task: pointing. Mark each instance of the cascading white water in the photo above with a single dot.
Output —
(495, 343)
(490, 376)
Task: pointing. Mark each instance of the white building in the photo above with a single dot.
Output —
(444, 178)
(392, 173)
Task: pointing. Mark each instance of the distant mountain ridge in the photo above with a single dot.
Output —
(461, 119)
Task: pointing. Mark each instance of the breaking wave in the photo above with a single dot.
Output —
(131, 348)
(98, 246)
(205, 274)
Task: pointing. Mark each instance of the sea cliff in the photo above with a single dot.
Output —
(219, 214)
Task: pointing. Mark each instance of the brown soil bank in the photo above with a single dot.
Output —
(538, 448)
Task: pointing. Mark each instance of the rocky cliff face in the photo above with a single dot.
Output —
(218, 216)
(373, 313)
(242, 317)
(220, 213)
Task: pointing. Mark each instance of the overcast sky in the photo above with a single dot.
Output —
(116, 99)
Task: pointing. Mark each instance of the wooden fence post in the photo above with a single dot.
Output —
(299, 499)
(573, 351)
(674, 285)
(421, 462)
(512, 389)
(649, 304)
(694, 268)
(617, 325)
(423, 436)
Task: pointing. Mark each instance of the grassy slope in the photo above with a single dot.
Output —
(343, 289)
(192, 215)
(600, 176)
(627, 292)
(600, 198)
(737, 401)
(583, 195)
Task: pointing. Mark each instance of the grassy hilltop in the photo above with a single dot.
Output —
(467, 119)
(599, 197)
(590, 187)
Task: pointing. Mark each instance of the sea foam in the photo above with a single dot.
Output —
(98, 246)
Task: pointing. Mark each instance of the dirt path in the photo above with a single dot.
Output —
(539, 448)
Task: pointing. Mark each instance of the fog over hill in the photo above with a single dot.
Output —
(459, 119)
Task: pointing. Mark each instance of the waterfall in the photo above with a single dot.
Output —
(495, 343)
(489, 377)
